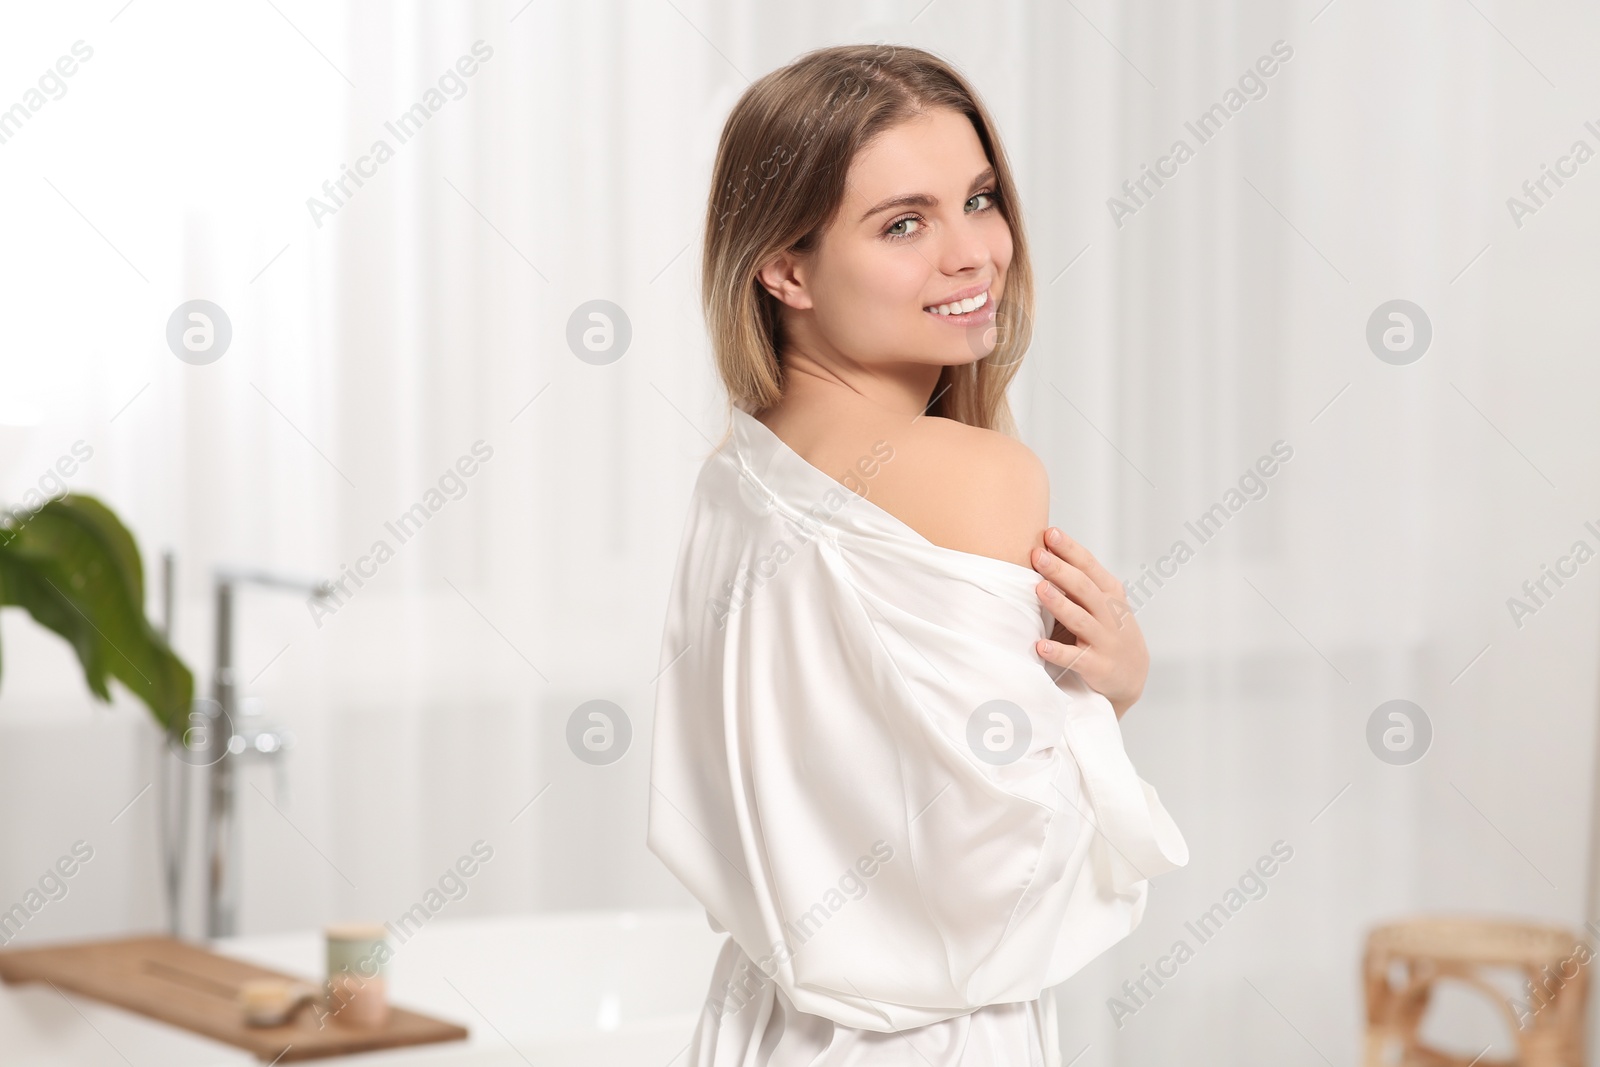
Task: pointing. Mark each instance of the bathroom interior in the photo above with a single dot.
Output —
(302, 298)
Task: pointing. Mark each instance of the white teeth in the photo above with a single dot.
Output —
(961, 307)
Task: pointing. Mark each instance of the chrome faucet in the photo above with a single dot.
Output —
(231, 738)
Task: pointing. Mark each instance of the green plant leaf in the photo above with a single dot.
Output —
(75, 568)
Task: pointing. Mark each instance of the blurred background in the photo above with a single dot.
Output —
(1361, 261)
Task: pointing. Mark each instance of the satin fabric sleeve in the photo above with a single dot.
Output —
(816, 785)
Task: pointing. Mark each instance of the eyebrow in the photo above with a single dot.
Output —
(926, 200)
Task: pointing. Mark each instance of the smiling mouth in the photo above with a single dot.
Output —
(959, 307)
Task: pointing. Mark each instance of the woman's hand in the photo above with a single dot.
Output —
(1095, 632)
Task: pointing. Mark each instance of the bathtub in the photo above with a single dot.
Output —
(560, 989)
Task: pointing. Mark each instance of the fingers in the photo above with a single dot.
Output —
(1071, 580)
(1121, 614)
(1081, 558)
(1075, 583)
(1084, 626)
(1078, 658)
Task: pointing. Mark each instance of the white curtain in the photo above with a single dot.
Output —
(377, 339)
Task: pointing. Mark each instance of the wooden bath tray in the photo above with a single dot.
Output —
(191, 987)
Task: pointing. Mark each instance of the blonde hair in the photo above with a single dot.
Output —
(778, 181)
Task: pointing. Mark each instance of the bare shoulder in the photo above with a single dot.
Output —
(960, 486)
(966, 488)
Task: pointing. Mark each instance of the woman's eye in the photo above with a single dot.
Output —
(911, 225)
(895, 228)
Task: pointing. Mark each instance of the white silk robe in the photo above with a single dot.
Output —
(825, 784)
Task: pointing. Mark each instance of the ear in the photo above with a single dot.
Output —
(785, 276)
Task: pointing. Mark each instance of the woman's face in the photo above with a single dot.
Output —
(919, 227)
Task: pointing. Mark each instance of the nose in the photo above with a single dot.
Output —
(966, 247)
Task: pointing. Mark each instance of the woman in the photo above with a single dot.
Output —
(886, 756)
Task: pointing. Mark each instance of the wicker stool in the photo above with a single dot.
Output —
(1404, 961)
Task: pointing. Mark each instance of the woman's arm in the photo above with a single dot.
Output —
(984, 492)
